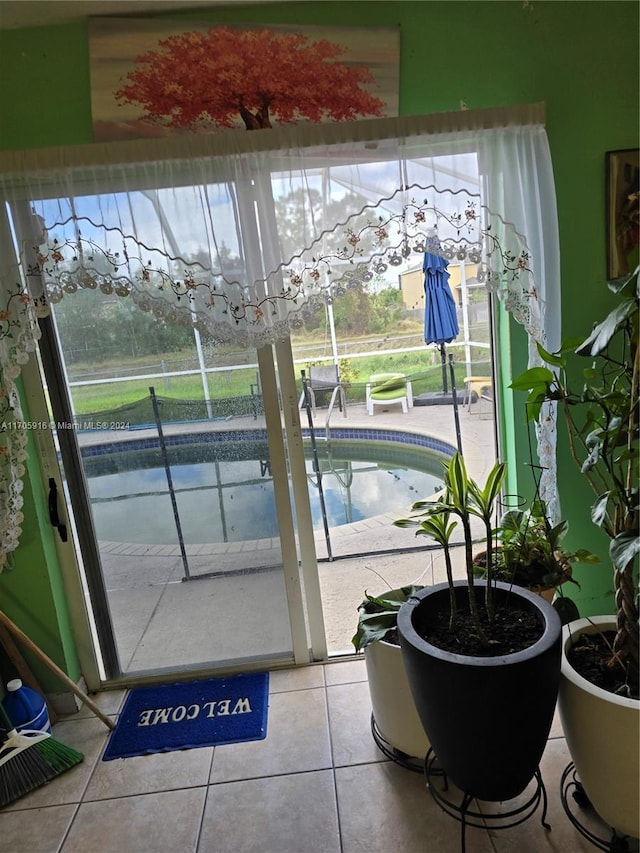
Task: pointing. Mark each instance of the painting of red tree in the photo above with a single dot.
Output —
(204, 78)
(259, 75)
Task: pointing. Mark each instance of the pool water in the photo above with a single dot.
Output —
(225, 493)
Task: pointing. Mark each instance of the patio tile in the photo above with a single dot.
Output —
(214, 606)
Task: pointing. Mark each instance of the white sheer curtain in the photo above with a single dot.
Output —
(518, 181)
(198, 229)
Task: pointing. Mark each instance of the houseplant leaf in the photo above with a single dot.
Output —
(624, 548)
(601, 335)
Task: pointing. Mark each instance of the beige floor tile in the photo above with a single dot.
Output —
(89, 736)
(297, 740)
(109, 702)
(35, 830)
(145, 774)
(345, 672)
(383, 807)
(285, 814)
(302, 678)
(152, 823)
(556, 725)
(350, 724)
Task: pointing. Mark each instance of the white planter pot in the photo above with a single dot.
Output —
(393, 707)
(602, 732)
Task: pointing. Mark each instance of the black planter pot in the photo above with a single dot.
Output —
(487, 718)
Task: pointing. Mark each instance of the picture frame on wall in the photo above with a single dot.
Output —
(154, 77)
(622, 169)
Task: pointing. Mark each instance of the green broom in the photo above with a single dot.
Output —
(30, 759)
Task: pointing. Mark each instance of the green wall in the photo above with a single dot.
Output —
(581, 58)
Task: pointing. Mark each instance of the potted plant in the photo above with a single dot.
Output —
(530, 553)
(395, 723)
(479, 650)
(599, 704)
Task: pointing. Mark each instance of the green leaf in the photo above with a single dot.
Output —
(567, 609)
(405, 522)
(532, 378)
(494, 483)
(511, 520)
(600, 337)
(584, 556)
(373, 627)
(549, 357)
(457, 482)
(557, 533)
(393, 598)
(439, 528)
(422, 504)
(379, 614)
(534, 404)
(624, 548)
(617, 285)
(592, 459)
(599, 509)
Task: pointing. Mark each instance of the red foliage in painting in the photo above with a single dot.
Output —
(198, 78)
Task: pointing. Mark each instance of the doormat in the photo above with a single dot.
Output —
(191, 714)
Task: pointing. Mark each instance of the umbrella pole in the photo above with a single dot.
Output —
(443, 359)
(454, 394)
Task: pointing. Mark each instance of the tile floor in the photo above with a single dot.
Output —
(316, 784)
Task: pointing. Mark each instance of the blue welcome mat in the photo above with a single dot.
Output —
(191, 714)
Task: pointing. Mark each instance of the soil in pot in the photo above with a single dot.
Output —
(511, 630)
(591, 657)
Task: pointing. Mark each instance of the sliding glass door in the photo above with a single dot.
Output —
(179, 494)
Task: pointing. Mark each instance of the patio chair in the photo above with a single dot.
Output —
(322, 378)
(480, 386)
(385, 389)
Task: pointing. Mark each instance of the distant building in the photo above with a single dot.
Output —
(412, 285)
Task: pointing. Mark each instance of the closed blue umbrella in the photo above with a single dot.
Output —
(440, 316)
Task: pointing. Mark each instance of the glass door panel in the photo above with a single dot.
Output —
(174, 497)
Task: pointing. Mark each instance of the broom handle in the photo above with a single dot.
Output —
(37, 651)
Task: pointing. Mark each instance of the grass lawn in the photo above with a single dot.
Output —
(227, 386)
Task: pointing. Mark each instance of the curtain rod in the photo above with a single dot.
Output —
(229, 143)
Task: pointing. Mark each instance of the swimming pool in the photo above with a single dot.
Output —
(222, 483)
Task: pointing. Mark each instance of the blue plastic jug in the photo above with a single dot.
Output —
(26, 708)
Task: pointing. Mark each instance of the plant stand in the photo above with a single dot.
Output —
(393, 753)
(467, 817)
(571, 790)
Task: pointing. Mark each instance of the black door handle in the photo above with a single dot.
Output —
(54, 518)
